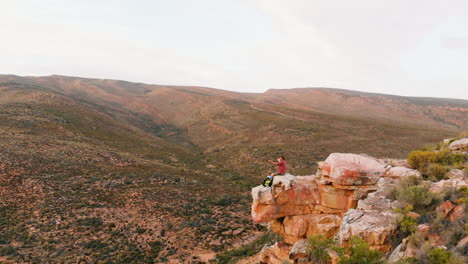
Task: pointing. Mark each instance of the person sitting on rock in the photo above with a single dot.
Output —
(281, 170)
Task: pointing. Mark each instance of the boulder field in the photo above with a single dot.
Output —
(346, 197)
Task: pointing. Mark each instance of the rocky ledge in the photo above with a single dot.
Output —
(346, 197)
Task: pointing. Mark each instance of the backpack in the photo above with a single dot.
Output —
(268, 181)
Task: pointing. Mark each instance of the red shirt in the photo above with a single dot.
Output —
(281, 167)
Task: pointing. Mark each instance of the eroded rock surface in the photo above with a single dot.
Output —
(459, 144)
(346, 197)
(295, 228)
(352, 169)
(401, 172)
(456, 183)
(374, 220)
(288, 196)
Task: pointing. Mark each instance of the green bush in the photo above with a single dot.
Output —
(420, 160)
(155, 248)
(406, 225)
(450, 159)
(359, 252)
(411, 260)
(437, 172)
(440, 256)
(318, 245)
(8, 251)
(439, 161)
(91, 221)
(417, 196)
(232, 256)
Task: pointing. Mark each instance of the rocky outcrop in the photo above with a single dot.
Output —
(275, 254)
(294, 228)
(345, 198)
(342, 180)
(374, 220)
(456, 183)
(401, 172)
(299, 249)
(456, 174)
(351, 169)
(288, 196)
(450, 211)
(460, 144)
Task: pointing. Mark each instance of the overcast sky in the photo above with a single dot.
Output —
(404, 47)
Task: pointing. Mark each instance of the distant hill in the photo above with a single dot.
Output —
(136, 171)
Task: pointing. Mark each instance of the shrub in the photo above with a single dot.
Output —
(454, 233)
(418, 196)
(318, 245)
(437, 172)
(94, 244)
(421, 159)
(155, 248)
(359, 252)
(440, 256)
(406, 225)
(91, 221)
(450, 159)
(411, 260)
(8, 251)
(247, 250)
(224, 200)
(439, 161)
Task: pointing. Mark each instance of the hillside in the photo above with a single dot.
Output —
(130, 172)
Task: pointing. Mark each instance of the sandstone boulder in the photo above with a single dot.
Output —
(456, 174)
(396, 162)
(275, 254)
(340, 198)
(440, 186)
(457, 213)
(351, 169)
(402, 251)
(295, 228)
(401, 172)
(288, 196)
(374, 220)
(445, 209)
(459, 144)
(299, 249)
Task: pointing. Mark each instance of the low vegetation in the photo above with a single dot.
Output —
(358, 251)
(232, 256)
(435, 161)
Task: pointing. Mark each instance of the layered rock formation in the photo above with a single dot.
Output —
(345, 198)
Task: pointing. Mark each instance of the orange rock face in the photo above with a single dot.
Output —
(457, 213)
(453, 212)
(275, 254)
(295, 228)
(298, 207)
(282, 200)
(445, 209)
